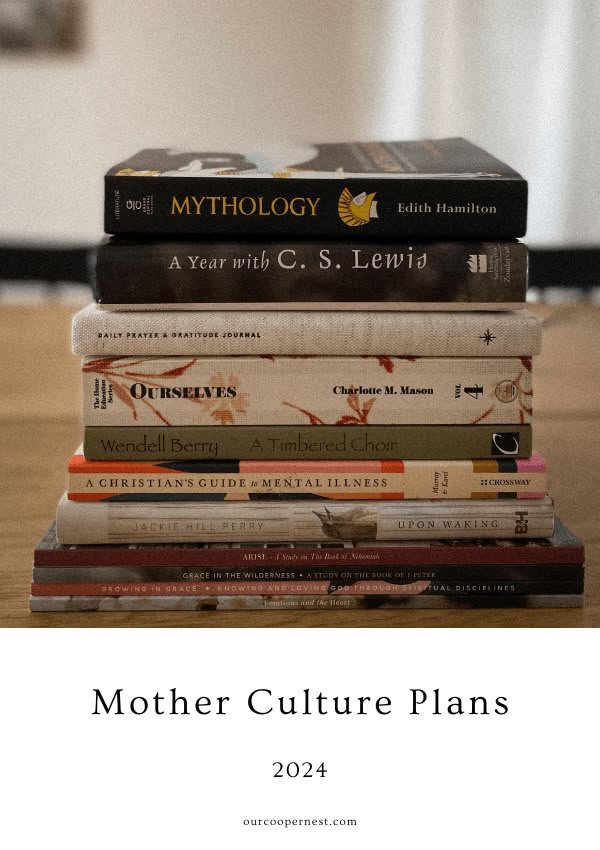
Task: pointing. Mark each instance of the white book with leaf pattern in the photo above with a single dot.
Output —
(181, 391)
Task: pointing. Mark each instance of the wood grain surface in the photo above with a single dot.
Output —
(40, 427)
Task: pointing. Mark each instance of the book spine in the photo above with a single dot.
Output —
(306, 390)
(306, 571)
(285, 332)
(308, 442)
(200, 604)
(229, 560)
(240, 480)
(307, 588)
(427, 207)
(309, 272)
(282, 521)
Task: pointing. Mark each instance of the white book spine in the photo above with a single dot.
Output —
(306, 391)
(295, 520)
(287, 332)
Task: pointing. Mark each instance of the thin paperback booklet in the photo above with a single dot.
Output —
(444, 188)
(300, 602)
(307, 587)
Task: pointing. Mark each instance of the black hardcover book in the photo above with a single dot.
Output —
(442, 189)
(346, 274)
(265, 602)
(306, 587)
(548, 574)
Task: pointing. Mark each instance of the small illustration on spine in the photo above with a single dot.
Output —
(297, 390)
(285, 332)
(123, 522)
(445, 188)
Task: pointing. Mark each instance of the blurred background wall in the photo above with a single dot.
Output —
(519, 78)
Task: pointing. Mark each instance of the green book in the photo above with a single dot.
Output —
(307, 442)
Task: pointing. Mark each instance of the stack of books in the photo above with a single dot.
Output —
(309, 386)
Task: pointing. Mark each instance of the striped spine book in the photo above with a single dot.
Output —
(361, 479)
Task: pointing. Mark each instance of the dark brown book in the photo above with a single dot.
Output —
(316, 275)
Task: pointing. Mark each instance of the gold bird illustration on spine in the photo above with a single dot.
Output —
(359, 210)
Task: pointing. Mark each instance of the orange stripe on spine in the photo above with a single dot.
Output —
(485, 465)
(392, 465)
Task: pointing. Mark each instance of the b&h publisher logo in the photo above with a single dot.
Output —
(358, 210)
(477, 263)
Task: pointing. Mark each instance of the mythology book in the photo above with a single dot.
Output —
(440, 189)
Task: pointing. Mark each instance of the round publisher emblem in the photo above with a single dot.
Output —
(507, 391)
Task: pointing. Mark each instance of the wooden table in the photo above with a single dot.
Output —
(40, 428)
